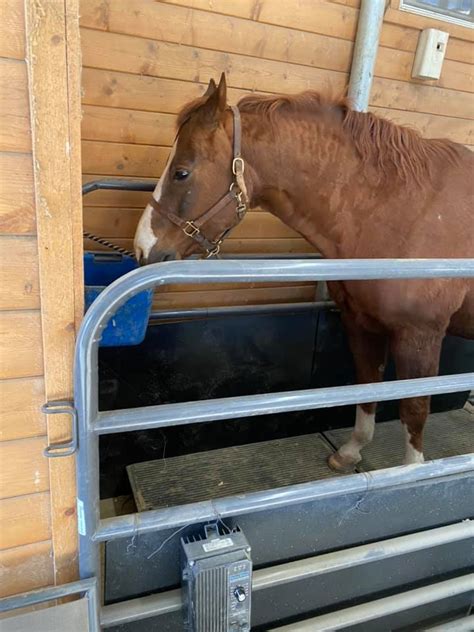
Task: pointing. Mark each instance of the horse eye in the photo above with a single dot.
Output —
(181, 174)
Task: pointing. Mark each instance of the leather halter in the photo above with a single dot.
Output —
(237, 195)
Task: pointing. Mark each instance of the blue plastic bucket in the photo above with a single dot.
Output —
(128, 326)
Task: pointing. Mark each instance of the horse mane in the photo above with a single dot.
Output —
(390, 146)
(379, 142)
(271, 105)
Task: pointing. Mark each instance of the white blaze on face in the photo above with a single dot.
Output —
(145, 238)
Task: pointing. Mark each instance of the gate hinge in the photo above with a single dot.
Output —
(61, 407)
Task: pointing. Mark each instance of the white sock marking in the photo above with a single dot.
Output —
(361, 436)
(411, 454)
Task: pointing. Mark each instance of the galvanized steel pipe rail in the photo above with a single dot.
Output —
(92, 423)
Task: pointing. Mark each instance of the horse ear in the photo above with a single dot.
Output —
(217, 100)
(222, 93)
(211, 88)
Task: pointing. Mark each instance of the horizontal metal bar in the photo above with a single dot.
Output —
(141, 608)
(359, 555)
(465, 624)
(119, 184)
(170, 601)
(47, 594)
(239, 310)
(130, 419)
(175, 517)
(400, 602)
(266, 270)
(269, 255)
(257, 271)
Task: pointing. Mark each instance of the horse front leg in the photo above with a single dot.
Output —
(370, 353)
(416, 354)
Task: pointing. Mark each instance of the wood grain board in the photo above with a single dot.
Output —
(21, 349)
(25, 519)
(12, 29)
(52, 37)
(20, 415)
(17, 211)
(15, 128)
(19, 273)
(25, 568)
(24, 469)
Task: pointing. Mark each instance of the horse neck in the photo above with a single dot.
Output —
(307, 173)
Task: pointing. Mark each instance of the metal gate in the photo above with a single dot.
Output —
(281, 504)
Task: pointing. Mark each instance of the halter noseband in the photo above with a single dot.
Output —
(237, 194)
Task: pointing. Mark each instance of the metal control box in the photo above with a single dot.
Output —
(217, 581)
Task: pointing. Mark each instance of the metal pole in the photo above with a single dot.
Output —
(119, 184)
(362, 613)
(239, 310)
(359, 555)
(465, 624)
(163, 415)
(87, 464)
(365, 53)
(93, 597)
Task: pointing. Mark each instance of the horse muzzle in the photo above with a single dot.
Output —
(159, 256)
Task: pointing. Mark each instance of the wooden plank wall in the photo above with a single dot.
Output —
(25, 533)
(142, 63)
(53, 58)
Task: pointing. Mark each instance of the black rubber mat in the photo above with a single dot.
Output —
(446, 434)
(229, 471)
(281, 462)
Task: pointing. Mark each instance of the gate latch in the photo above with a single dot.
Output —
(61, 407)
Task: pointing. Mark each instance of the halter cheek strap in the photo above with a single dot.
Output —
(236, 195)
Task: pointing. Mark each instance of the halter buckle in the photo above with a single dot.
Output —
(215, 252)
(238, 166)
(190, 229)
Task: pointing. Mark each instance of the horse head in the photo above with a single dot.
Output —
(202, 193)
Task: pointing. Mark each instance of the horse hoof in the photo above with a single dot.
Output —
(339, 464)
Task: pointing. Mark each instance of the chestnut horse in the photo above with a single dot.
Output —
(355, 186)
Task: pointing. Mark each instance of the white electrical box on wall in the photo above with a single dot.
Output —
(430, 54)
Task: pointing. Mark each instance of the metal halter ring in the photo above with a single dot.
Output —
(238, 170)
(190, 229)
(235, 188)
(215, 252)
(241, 208)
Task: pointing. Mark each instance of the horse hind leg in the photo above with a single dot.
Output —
(369, 351)
(416, 354)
